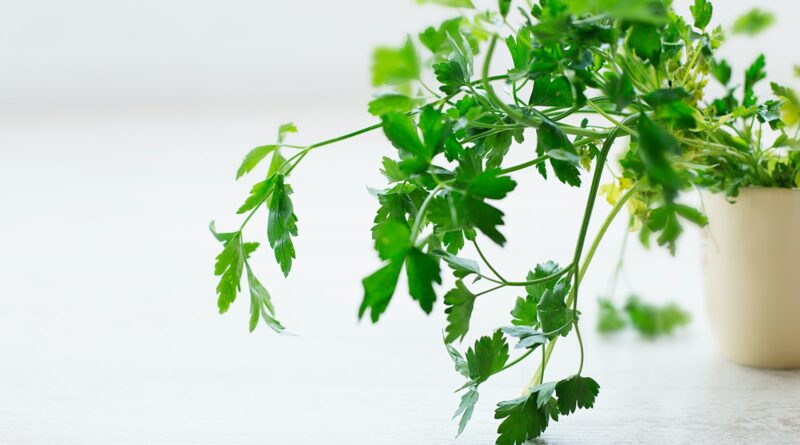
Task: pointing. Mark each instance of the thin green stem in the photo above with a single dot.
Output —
(525, 165)
(572, 299)
(517, 360)
(580, 344)
(421, 212)
(486, 261)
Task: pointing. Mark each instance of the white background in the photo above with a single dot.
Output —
(121, 126)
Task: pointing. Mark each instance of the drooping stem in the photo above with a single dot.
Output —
(578, 275)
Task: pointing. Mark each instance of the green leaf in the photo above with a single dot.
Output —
(645, 41)
(722, 71)
(392, 103)
(753, 22)
(392, 171)
(392, 239)
(752, 76)
(610, 318)
(619, 89)
(645, 11)
(436, 128)
(702, 12)
(691, 214)
(395, 66)
(504, 6)
(459, 361)
(466, 408)
(576, 392)
(282, 224)
(379, 289)
(450, 3)
(524, 418)
(461, 267)
(552, 92)
(258, 194)
(550, 138)
(460, 302)
(491, 185)
(665, 220)
(525, 310)
(435, 39)
(529, 338)
(666, 95)
(655, 144)
(485, 218)
(653, 321)
(423, 271)
(261, 304)
(554, 315)
(457, 70)
(402, 132)
(785, 93)
(253, 158)
(229, 266)
(487, 357)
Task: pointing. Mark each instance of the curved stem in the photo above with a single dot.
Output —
(421, 212)
(525, 165)
(486, 261)
(572, 299)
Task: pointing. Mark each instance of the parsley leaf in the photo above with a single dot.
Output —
(490, 184)
(610, 319)
(460, 302)
(392, 103)
(753, 22)
(524, 419)
(395, 66)
(379, 289)
(655, 144)
(652, 321)
(576, 392)
(258, 194)
(282, 224)
(702, 12)
(423, 271)
(552, 140)
(554, 316)
(487, 357)
(261, 304)
(466, 408)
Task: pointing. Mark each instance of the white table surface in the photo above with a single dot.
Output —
(109, 332)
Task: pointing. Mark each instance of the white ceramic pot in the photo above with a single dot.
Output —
(752, 275)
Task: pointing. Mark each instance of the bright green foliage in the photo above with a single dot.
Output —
(645, 41)
(282, 224)
(576, 392)
(527, 417)
(652, 321)
(256, 155)
(610, 319)
(395, 66)
(460, 302)
(648, 319)
(702, 10)
(645, 11)
(423, 271)
(392, 103)
(634, 73)
(754, 22)
(487, 357)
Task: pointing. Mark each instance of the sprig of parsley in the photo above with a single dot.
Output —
(633, 70)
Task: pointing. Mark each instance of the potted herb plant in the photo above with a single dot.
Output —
(584, 75)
